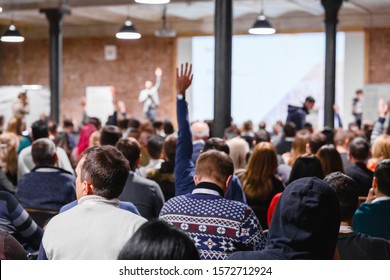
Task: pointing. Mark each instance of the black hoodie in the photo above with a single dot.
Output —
(305, 224)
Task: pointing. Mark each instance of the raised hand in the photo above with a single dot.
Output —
(158, 72)
(382, 108)
(183, 78)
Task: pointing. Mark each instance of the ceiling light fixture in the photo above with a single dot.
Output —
(165, 32)
(128, 30)
(262, 25)
(12, 35)
(152, 1)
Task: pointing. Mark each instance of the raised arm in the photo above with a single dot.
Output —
(184, 167)
(378, 126)
(158, 73)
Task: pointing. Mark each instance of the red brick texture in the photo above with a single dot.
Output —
(84, 65)
(379, 55)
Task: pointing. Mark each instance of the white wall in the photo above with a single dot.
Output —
(184, 54)
(353, 72)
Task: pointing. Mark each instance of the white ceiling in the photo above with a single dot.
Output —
(104, 17)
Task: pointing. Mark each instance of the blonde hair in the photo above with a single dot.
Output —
(381, 147)
(8, 152)
(239, 148)
(298, 149)
(262, 165)
(15, 126)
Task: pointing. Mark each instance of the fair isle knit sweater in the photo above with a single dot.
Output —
(217, 225)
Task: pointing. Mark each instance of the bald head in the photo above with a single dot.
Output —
(200, 130)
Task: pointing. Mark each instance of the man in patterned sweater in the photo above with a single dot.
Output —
(217, 225)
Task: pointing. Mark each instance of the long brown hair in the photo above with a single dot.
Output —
(330, 159)
(262, 165)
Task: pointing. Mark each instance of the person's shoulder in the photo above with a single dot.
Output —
(144, 181)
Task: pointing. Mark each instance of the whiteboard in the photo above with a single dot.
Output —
(39, 99)
(372, 93)
(100, 102)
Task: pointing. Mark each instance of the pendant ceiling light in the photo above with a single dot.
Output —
(262, 25)
(12, 35)
(128, 31)
(153, 1)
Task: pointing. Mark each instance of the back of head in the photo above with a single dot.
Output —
(43, 152)
(110, 135)
(168, 127)
(330, 159)
(15, 126)
(157, 240)
(216, 143)
(200, 130)
(306, 221)
(306, 166)
(262, 136)
(381, 147)
(347, 193)
(359, 149)
(342, 136)
(216, 165)
(289, 129)
(231, 132)
(317, 140)
(262, 165)
(131, 149)
(39, 130)
(382, 175)
(239, 149)
(155, 146)
(170, 148)
(95, 122)
(247, 126)
(107, 170)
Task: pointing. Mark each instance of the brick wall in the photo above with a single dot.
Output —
(84, 65)
(379, 55)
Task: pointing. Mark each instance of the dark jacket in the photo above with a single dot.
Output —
(362, 176)
(185, 168)
(305, 224)
(297, 115)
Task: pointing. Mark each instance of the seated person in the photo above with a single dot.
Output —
(46, 187)
(354, 245)
(217, 225)
(144, 193)
(17, 222)
(305, 224)
(373, 216)
(157, 240)
(96, 228)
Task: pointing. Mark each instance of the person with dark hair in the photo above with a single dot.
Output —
(17, 222)
(359, 152)
(184, 167)
(373, 216)
(164, 176)
(297, 115)
(306, 166)
(25, 160)
(217, 225)
(145, 194)
(96, 228)
(46, 187)
(157, 240)
(285, 143)
(305, 224)
(357, 108)
(262, 136)
(354, 245)
(168, 127)
(316, 141)
(110, 135)
(154, 147)
(330, 159)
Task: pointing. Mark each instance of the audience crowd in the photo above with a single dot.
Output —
(130, 190)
